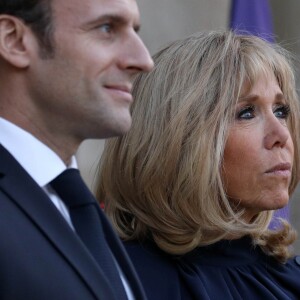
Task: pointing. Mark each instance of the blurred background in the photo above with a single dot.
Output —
(166, 20)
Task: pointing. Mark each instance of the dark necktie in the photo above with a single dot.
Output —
(86, 221)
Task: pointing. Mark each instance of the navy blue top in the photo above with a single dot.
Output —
(225, 270)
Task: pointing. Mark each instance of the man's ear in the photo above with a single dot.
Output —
(14, 41)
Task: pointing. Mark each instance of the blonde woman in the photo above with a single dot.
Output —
(213, 151)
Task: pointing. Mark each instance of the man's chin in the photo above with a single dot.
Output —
(119, 129)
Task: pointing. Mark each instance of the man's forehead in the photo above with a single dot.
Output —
(77, 13)
(96, 8)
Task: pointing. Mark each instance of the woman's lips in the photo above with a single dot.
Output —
(281, 169)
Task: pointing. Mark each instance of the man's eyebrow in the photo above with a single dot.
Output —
(114, 18)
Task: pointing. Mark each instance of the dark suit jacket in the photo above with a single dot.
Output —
(40, 256)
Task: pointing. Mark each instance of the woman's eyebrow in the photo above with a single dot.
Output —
(254, 97)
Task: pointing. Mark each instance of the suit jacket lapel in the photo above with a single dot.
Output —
(123, 258)
(32, 200)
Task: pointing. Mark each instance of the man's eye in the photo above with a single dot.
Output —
(106, 28)
(282, 111)
(246, 113)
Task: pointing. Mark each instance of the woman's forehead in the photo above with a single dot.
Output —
(252, 78)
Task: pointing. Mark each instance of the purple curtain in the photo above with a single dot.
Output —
(254, 17)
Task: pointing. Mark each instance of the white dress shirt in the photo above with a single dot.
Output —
(43, 165)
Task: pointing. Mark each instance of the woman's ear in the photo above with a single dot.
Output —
(13, 41)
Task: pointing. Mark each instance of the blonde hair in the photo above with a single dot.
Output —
(162, 179)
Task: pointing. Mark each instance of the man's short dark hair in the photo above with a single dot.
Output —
(37, 14)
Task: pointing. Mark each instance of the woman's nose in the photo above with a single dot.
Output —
(276, 132)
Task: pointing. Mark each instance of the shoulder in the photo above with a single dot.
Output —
(153, 262)
(296, 261)
(150, 255)
(292, 266)
(157, 270)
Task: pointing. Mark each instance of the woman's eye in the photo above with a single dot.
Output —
(246, 113)
(282, 111)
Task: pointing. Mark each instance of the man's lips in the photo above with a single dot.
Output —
(281, 169)
(121, 91)
(124, 88)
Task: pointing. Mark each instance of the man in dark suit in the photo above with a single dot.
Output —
(66, 69)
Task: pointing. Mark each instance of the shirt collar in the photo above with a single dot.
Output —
(40, 162)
